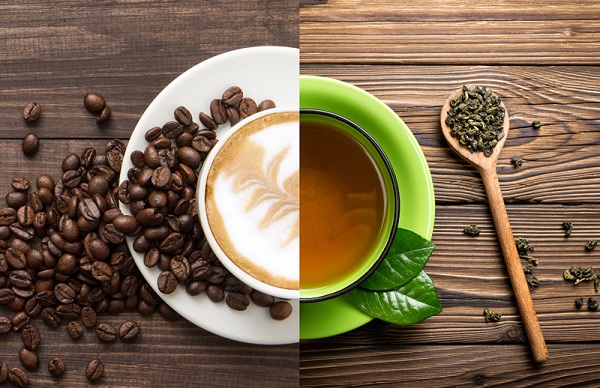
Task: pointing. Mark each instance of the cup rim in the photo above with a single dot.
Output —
(278, 292)
(396, 194)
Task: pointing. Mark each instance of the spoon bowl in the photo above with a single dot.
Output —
(486, 166)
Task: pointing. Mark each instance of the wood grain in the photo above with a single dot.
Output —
(446, 366)
(452, 33)
(560, 160)
(128, 50)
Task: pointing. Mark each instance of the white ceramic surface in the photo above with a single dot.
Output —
(201, 196)
(264, 72)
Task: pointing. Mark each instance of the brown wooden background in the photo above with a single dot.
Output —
(53, 52)
(542, 58)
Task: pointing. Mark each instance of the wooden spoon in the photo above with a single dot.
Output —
(486, 166)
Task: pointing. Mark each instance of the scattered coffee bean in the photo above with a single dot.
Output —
(5, 324)
(94, 370)
(261, 299)
(217, 111)
(88, 317)
(75, 330)
(266, 104)
(129, 330)
(94, 102)
(30, 335)
(104, 115)
(247, 107)
(57, 367)
(32, 111)
(237, 301)
(31, 144)
(20, 183)
(232, 96)
(18, 377)
(106, 332)
(280, 310)
(29, 358)
(183, 116)
(3, 371)
(167, 282)
(20, 320)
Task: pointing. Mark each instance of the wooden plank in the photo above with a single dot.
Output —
(446, 366)
(166, 353)
(339, 32)
(128, 51)
(564, 98)
(470, 276)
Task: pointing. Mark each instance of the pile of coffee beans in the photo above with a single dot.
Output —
(161, 194)
(62, 259)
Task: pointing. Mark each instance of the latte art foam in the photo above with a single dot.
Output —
(252, 199)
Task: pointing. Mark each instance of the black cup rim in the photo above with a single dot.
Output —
(396, 190)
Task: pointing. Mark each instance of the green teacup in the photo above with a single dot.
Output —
(350, 205)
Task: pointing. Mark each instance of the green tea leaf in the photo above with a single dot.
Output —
(405, 259)
(406, 305)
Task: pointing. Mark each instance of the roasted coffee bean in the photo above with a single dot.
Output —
(89, 209)
(32, 111)
(102, 271)
(87, 157)
(202, 144)
(247, 107)
(5, 325)
(3, 371)
(237, 301)
(71, 162)
(18, 377)
(57, 367)
(231, 284)
(45, 196)
(261, 299)
(20, 278)
(151, 157)
(46, 298)
(141, 244)
(167, 282)
(30, 335)
(126, 224)
(75, 330)
(217, 111)
(151, 258)
(266, 104)
(31, 144)
(215, 293)
(88, 317)
(115, 160)
(129, 330)
(104, 115)
(21, 232)
(195, 288)
(217, 275)
(161, 178)
(185, 139)
(32, 308)
(16, 199)
(20, 183)
(233, 115)
(171, 243)
(68, 311)
(180, 268)
(157, 233)
(149, 217)
(64, 293)
(208, 121)
(232, 96)
(172, 129)
(94, 102)
(280, 310)
(162, 142)
(94, 370)
(29, 358)
(72, 178)
(35, 202)
(25, 215)
(189, 156)
(152, 134)
(8, 215)
(20, 317)
(16, 259)
(106, 332)
(49, 317)
(183, 115)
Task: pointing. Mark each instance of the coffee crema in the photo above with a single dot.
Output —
(252, 199)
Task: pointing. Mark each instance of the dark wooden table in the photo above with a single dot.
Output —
(542, 59)
(55, 52)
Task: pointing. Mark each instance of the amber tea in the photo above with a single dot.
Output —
(342, 202)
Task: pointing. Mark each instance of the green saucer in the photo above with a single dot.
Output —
(417, 202)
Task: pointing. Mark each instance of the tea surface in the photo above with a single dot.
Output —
(341, 201)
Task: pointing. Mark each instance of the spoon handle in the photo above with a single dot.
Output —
(514, 266)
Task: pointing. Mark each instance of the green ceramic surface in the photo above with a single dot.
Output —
(417, 203)
(389, 222)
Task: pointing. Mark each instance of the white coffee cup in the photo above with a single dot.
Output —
(248, 201)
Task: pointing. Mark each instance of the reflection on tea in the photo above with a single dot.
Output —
(342, 204)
